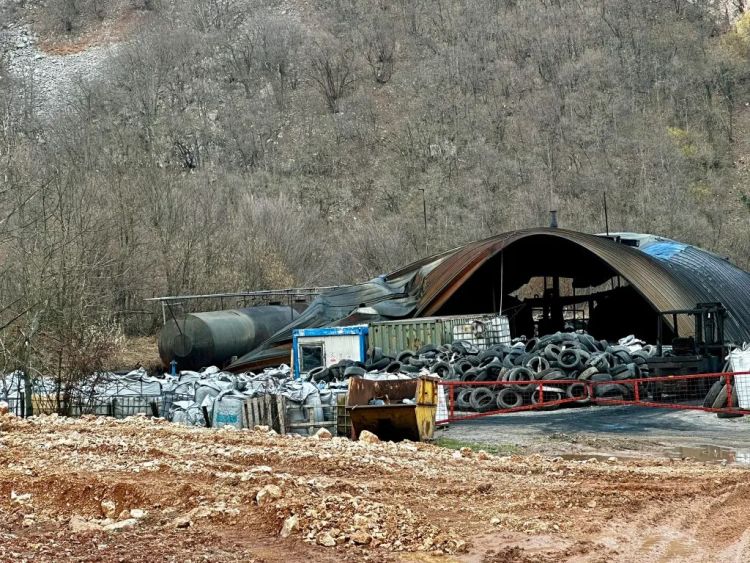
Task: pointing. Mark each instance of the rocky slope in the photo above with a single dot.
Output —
(144, 490)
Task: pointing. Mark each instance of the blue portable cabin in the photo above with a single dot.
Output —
(323, 347)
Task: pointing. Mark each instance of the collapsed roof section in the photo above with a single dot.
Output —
(652, 275)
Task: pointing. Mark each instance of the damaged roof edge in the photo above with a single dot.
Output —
(677, 280)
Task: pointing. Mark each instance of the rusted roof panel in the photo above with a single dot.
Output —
(656, 284)
(677, 279)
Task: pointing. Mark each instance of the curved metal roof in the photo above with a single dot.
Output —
(675, 279)
(667, 274)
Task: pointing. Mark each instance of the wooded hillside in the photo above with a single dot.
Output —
(240, 144)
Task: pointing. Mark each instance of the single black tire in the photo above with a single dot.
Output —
(470, 375)
(537, 363)
(354, 371)
(405, 355)
(601, 377)
(473, 360)
(623, 356)
(570, 358)
(393, 367)
(493, 369)
(521, 374)
(379, 365)
(442, 369)
(531, 345)
(427, 348)
(588, 343)
(462, 366)
(462, 400)
(729, 414)
(416, 362)
(721, 398)
(555, 374)
(618, 369)
(510, 361)
(520, 360)
(459, 347)
(598, 361)
(549, 395)
(579, 392)
(508, 398)
(482, 399)
(488, 355)
(552, 352)
(611, 391)
(588, 373)
(544, 372)
(375, 354)
(713, 392)
(631, 371)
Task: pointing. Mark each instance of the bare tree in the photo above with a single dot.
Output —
(332, 71)
(279, 42)
(379, 45)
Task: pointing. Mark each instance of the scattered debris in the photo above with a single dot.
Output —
(291, 524)
(368, 437)
(323, 434)
(267, 493)
(363, 502)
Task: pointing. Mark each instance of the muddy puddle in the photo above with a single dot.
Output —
(706, 453)
(586, 457)
(714, 453)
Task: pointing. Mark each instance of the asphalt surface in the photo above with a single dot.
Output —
(662, 427)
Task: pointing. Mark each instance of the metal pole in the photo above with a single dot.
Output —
(606, 215)
(502, 276)
(424, 213)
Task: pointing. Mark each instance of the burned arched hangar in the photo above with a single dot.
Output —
(544, 279)
(629, 277)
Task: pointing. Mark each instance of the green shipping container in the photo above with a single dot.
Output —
(411, 334)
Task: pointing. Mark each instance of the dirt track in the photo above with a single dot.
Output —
(197, 491)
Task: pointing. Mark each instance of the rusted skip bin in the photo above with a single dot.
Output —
(394, 420)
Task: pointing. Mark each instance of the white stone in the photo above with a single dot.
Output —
(323, 434)
(78, 524)
(122, 524)
(20, 498)
(368, 437)
(267, 493)
(326, 540)
(290, 525)
(108, 508)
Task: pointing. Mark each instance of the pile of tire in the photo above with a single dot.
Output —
(556, 360)
(717, 398)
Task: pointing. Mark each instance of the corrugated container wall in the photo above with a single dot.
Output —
(411, 334)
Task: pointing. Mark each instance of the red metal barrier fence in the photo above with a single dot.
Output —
(727, 393)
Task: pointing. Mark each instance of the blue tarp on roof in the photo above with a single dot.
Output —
(664, 250)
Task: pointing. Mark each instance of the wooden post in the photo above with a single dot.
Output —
(269, 411)
(281, 408)
(246, 414)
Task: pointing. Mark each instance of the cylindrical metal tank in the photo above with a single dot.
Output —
(197, 340)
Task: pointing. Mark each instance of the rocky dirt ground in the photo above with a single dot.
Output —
(97, 489)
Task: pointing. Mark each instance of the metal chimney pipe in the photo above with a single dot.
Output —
(553, 219)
